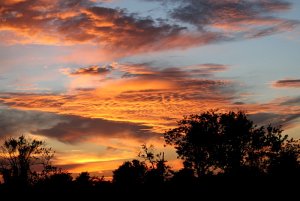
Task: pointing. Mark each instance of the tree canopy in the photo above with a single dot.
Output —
(130, 173)
(231, 144)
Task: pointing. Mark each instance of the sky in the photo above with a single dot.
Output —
(96, 79)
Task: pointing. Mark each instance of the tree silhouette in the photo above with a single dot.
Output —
(185, 177)
(130, 174)
(285, 161)
(19, 157)
(61, 181)
(230, 143)
(195, 141)
(84, 180)
(157, 169)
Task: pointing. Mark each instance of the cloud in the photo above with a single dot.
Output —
(152, 97)
(86, 78)
(68, 128)
(284, 120)
(147, 70)
(287, 83)
(235, 19)
(75, 129)
(119, 32)
(91, 70)
(158, 110)
(291, 101)
(16, 122)
(73, 22)
(143, 94)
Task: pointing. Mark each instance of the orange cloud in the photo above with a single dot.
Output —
(119, 33)
(10, 2)
(149, 96)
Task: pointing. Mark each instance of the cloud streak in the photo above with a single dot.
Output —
(91, 70)
(287, 83)
(68, 128)
(234, 19)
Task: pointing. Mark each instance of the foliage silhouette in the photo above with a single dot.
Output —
(84, 180)
(130, 174)
(157, 169)
(20, 157)
(223, 153)
(286, 161)
(230, 144)
(60, 181)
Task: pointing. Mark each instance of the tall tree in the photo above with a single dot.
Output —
(230, 143)
(195, 141)
(22, 157)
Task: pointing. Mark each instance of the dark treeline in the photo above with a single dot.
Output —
(223, 154)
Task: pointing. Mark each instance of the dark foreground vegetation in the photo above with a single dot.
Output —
(224, 156)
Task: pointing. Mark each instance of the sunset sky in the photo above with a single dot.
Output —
(96, 79)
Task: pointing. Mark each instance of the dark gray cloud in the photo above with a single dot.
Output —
(17, 122)
(239, 19)
(76, 129)
(292, 102)
(204, 12)
(67, 128)
(264, 119)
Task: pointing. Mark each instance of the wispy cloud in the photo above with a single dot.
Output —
(287, 83)
(235, 19)
(91, 70)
